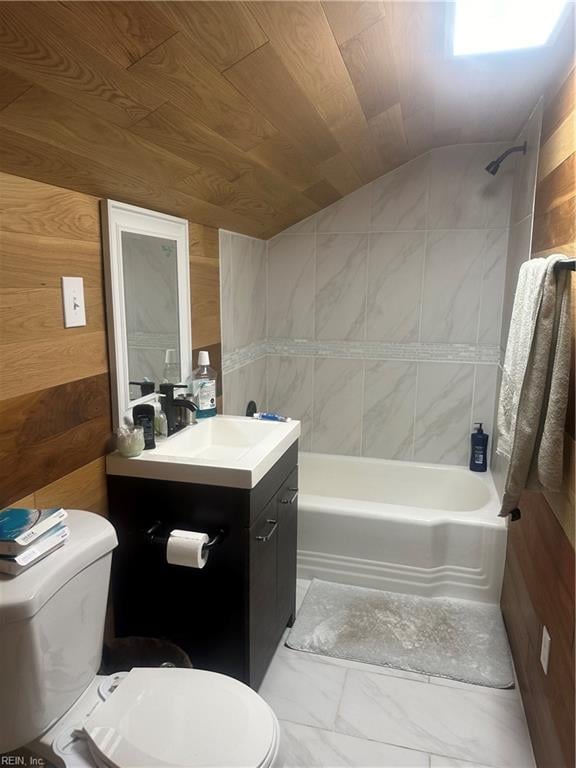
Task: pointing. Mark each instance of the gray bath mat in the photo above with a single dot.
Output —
(443, 637)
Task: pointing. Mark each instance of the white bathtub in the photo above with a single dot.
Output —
(422, 529)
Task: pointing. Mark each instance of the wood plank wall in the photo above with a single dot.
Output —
(55, 419)
(539, 576)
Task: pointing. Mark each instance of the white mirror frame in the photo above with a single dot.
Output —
(117, 218)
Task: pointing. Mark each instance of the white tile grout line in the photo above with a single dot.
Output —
(482, 285)
(367, 257)
(425, 259)
(267, 289)
(472, 402)
(416, 387)
(421, 303)
(311, 429)
(221, 240)
(314, 282)
(362, 408)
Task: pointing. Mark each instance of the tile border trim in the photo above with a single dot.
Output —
(362, 350)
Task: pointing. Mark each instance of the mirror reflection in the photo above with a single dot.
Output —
(150, 271)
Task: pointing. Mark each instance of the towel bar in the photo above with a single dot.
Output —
(569, 264)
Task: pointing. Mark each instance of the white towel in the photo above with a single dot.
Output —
(534, 389)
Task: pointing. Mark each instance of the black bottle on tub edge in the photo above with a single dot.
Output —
(143, 416)
(479, 451)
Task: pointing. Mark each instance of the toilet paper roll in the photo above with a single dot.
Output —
(185, 548)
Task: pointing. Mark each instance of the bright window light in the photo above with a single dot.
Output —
(487, 26)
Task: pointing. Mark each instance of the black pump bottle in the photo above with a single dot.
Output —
(479, 452)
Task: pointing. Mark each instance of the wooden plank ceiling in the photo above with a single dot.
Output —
(245, 115)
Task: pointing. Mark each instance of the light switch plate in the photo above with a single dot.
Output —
(545, 650)
(73, 298)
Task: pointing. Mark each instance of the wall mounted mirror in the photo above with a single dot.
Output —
(147, 302)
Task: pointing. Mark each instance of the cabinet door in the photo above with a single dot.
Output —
(287, 512)
(262, 594)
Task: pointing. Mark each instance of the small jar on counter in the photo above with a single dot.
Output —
(130, 441)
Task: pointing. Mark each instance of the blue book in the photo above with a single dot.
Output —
(21, 527)
(42, 546)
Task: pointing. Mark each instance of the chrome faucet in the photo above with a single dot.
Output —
(171, 404)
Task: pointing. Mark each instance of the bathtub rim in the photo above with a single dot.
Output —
(486, 515)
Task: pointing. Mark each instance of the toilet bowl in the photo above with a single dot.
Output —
(53, 702)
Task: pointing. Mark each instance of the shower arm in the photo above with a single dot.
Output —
(519, 148)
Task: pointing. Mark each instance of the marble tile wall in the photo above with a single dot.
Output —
(383, 312)
(420, 411)
(519, 247)
(521, 214)
(396, 291)
(243, 287)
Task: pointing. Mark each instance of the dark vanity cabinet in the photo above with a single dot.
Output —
(230, 615)
(272, 575)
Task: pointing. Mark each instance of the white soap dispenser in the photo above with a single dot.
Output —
(204, 386)
(171, 373)
(160, 420)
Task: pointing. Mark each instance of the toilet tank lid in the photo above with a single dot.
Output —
(22, 596)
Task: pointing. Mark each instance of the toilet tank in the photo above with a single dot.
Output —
(51, 630)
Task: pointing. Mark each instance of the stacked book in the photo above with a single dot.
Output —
(29, 535)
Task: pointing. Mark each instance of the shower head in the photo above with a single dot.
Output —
(494, 165)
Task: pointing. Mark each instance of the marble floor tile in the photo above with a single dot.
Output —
(305, 747)
(512, 693)
(437, 761)
(302, 690)
(445, 721)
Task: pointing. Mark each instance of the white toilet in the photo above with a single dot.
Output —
(53, 702)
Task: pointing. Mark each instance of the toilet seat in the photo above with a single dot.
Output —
(182, 718)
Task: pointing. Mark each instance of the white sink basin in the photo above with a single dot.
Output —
(230, 451)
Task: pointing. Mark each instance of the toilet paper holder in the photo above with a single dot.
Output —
(152, 535)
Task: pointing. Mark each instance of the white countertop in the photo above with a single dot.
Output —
(230, 451)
